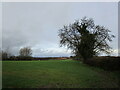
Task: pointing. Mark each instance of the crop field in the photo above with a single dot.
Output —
(56, 74)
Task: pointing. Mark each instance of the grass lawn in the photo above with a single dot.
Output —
(56, 74)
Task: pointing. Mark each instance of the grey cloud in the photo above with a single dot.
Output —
(28, 24)
(51, 52)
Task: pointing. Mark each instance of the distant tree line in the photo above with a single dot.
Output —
(25, 53)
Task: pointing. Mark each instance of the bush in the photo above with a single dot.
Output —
(107, 63)
(18, 58)
(76, 58)
(24, 58)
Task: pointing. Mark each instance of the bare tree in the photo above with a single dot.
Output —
(26, 51)
(6, 53)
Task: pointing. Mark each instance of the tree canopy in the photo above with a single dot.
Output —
(86, 39)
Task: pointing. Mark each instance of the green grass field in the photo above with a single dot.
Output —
(56, 74)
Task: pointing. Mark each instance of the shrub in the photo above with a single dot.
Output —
(107, 63)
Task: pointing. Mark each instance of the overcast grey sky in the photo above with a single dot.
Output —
(37, 24)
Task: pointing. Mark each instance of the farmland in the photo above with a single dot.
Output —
(56, 74)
